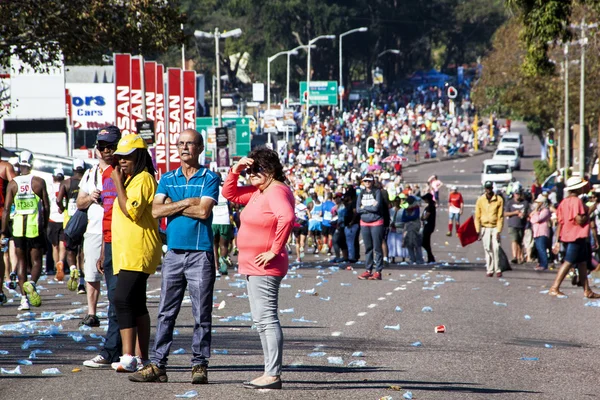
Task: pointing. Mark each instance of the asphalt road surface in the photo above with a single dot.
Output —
(504, 338)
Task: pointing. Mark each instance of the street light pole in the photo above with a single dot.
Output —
(218, 35)
(289, 52)
(341, 83)
(294, 51)
(311, 42)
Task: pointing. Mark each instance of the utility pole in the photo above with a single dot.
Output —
(583, 42)
(567, 127)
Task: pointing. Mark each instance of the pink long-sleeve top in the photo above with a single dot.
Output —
(539, 222)
(265, 225)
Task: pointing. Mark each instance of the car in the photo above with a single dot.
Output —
(498, 172)
(510, 155)
(512, 140)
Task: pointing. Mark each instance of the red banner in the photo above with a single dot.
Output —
(150, 86)
(174, 115)
(189, 100)
(123, 91)
(159, 128)
(137, 92)
(68, 107)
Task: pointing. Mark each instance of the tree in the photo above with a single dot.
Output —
(42, 32)
(546, 21)
(510, 91)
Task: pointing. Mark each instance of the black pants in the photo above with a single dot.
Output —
(427, 245)
(130, 298)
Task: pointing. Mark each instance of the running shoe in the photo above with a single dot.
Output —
(81, 289)
(24, 304)
(127, 363)
(141, 363)
(12, 285)
(90, 320)
(218, 274)
(375, 277)
(3, 299)
(73, 282)
(60, 271)
(365, 275)
(32, 294)
(223, 265)
(97, 362)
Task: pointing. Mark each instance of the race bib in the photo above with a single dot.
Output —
(25, 204)
(72, 207)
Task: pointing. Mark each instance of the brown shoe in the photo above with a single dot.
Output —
(150, 373)
(200, 374)
(60, 272)
(499, 274)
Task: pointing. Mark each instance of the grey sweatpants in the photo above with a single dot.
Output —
(373, 240)
(263, 293)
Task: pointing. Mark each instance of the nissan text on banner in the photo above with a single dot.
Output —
(159, 127)
(137, 93)
(123, 91)
(174, 116)
(150, 87)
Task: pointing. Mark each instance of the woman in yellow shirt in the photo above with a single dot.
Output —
(136, 247)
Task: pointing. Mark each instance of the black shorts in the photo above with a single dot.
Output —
(327, 230)
(300, 230)
(25, 243)
(56, 233)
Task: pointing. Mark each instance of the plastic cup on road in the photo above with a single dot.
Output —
(440, 329)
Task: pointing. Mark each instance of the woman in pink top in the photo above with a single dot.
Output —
(265, 225)
(540, 219)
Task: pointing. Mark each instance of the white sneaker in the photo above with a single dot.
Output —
(97, 362)
(24, 304)
(141, 363)
(218, 274)
(127, 363)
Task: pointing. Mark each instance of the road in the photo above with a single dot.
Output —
(490, 350)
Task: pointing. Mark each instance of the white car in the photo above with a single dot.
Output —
(512, 140)
(498, 172)
(509, 155)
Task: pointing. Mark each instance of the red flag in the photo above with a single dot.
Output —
(123, 91)
(137, 101)
(159, 128)
(189, 99)
(467, 232)
(174, 115)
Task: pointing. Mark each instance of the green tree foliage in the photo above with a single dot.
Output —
(84, 31)
(510, 91)
(546, 21)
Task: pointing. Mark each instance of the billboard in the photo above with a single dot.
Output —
(123, 92)
(92, 105)
(174, 117)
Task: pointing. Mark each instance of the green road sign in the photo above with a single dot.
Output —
(322, 93)
(242, 133)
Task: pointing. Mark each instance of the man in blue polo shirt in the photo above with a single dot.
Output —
(186, 197)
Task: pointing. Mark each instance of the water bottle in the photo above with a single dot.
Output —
(4, 245)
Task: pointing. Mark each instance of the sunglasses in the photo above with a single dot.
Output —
(255, 170)
(103, 147)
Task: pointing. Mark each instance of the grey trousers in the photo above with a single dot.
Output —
(263, 293)
(373, 240)
(196, 271)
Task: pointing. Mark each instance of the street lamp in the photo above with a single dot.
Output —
(362, 29)
(287, 88)
(311, 42)
(218, 35)
(393, 51)
(289, 52)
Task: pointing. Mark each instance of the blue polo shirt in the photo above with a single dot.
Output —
(185, 233)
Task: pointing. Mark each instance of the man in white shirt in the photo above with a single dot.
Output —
(88, 197)
(56, 233)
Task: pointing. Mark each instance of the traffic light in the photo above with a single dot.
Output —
(551, 137)
(370, 145)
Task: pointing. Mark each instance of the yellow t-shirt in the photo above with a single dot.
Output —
(136, 245)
